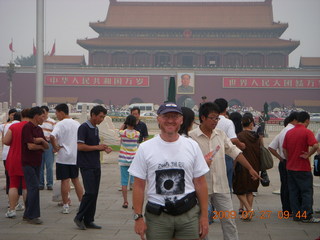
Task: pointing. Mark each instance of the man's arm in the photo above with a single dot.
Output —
(201, 188)
(35, 147)
(275, 153)
(244, 162)
(41, 141)
(88, 148)
(140, 226)
(313, 149)
(7, 138)
(238, 143)
(54, 143)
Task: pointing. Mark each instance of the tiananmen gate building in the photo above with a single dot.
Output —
(232, 50)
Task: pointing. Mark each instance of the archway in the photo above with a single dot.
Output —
(136, 100)
(233, 102)
(186, 101)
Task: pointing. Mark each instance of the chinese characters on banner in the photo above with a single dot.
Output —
(96, 80)
(281, 83)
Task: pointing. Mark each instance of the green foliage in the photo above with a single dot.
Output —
(26, 61)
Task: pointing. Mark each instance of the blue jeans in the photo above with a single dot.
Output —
(300, 185)
(47, 161)
(229, 166)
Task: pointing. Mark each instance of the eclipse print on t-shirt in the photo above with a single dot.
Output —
(170, 181)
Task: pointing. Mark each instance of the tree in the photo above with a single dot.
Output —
(26, 61)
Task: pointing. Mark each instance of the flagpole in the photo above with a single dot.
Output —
(40, 44)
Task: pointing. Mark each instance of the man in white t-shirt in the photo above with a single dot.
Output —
(173, 168)
(64, 141)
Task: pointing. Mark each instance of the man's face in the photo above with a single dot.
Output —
(59, 115)
(97, 119)
(170, 122)
(185, 80)
(136, 114)
(45, 114)
(39, 119)
(211, 121)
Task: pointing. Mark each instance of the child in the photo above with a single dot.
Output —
(129, 145)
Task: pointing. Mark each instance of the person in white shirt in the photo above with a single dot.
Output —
(172, 168)
(47, 155)
(276, 150)
(211, 139)
(64, 141)
(228, 127)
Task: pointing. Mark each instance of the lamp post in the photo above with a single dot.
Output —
(10, 72)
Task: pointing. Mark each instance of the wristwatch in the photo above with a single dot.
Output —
(136, 216)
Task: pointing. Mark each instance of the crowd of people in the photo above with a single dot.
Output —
(181, 172)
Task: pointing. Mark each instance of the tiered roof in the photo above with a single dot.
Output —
(191, 15)
(236, 17)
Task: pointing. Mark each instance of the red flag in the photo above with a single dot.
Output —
(53, 51)
(11, 46)
(34, 50)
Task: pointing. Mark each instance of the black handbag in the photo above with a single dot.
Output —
(265, 181)
(316, 165)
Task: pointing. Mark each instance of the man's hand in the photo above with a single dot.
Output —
(102, 147)
(140, 228)
(108, 150)
(203, 227)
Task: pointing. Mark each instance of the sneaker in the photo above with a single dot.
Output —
(49, 188)
(65, 210)
(311, 220)
(11, 214)
(19, 207)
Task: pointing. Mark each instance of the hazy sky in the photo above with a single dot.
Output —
(68, 20)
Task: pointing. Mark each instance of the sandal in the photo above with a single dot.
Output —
(240, 211)
(125, 205)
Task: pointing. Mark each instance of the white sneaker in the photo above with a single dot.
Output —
(65, 210)
(311, 220)
(19, 207)
(11, 214)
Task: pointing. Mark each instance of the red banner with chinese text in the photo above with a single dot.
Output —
(280, 83)
(96, 81)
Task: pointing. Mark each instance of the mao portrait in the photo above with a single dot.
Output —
(185, 83)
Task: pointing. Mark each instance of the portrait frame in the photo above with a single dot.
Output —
(185, 89)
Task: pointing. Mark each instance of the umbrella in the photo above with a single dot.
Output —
(172, 90)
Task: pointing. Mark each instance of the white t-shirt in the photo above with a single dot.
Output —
(227, 126)
(277, 142)
(4, 130)
(168, 167)
(66, 133)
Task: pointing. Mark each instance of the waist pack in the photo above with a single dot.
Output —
(179, 207)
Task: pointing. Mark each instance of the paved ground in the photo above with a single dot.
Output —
(118, 224)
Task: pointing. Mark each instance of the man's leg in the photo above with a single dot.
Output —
(41, 173)
(223, 202)
(31, 175)
(49, 156)
(294, 194)
(305, 184)
(284, 190)
(78, 188)
(65, 189)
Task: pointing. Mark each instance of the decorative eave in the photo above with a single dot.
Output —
(176, 43)
(191, 15)
(309, 62)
